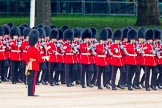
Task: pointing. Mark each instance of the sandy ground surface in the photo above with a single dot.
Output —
(15, 96)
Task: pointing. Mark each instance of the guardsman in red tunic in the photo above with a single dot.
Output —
(86, 59)
(93, 42)
(158, 47)
(3, 56)
(108, 58)
(6, 41)
(124, 43)
(54, 58)
(77, 34)
(150, 61)
(61, 57)
(117, 60)
(131, 59)
(140, 55)
(33, 59)
(24, 47)
(101, 58)
(43, 51)
(69, 59)
(15, 54)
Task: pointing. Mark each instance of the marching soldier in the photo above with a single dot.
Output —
(158, 48)
(43, 51)
(86, 59)
(101, 58)
(117, 61)
(150, 61)
(33, 59)
(70, 62)
(54, 58)
(24, 47)
(15, 54)
(140, 55)
(131, 59)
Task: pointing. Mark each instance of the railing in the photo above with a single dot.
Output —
(75, 7)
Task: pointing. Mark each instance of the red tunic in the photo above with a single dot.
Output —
(117, 59)
(34, 56)
(2, 51)
(101, 57)
(131, 57)
(15, 53)
(24, 48)
(150, 58)
(86, 57)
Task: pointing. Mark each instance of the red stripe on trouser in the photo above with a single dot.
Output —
(34, 83)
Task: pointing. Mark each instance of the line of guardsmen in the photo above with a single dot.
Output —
(76, 57)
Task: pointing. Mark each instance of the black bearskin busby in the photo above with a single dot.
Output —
(54, 34)
(14, 31)
(86, 33)
(103, 34)
(68, 35)
(33, 37)
(149, 34)
(117, 35)
(42, 33)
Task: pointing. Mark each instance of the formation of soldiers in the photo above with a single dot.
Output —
(84, 56)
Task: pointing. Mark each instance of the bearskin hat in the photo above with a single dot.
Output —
(60, 34)
(157, 33)
(109, 32)
(53, 26)
(141, 32)
(117, 35)
(33, 37)
(26, 32)
(94, 31)
(47, 30)
(77, 32)
(10, 24)
(42, 33)
(68, 35)
(86, 33)
(40, 26)
(6, 29)
(21, 30)
(149, 34)
(1, 31)
(54, 34)
(132, 34)
(15, 31)
(125, 32)
(103, 34)
(64, 28)
(24, 25)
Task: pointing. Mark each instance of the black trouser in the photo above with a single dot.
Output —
(130, 69)
(70, 70)
(43, 68)
(54, 66)
(100, 70)
(114, 72)
(86, 68)
(31, 78)
(109, 72)
(94, 78)
(153, 77)
(62, 72)
(16, 70)
(78, 77)
(137, 76)
(159, 81)
(143, 76)
(23, 77)
(3, 69)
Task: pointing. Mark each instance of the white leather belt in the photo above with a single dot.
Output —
(69, 54)
(101, 55)
(132, 55)
(151, 55)
(85, 54)
(18, 51)
(2, 50)
(24, 51)
(117, 56)
(41, 52)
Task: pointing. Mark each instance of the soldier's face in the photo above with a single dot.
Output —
(76, 39)
(150, 41)
(156, 40)
(141, 40)
(117, 41)
(132, 40)
(15, 37)
(54, 40)
(1, 37)
(125, 39)
(86, 39)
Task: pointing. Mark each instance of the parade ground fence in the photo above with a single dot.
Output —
(110, 8)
